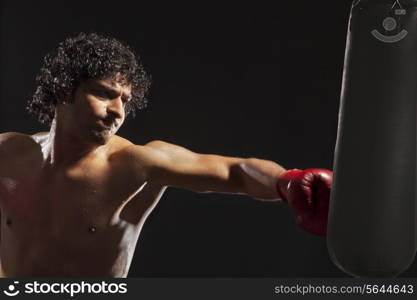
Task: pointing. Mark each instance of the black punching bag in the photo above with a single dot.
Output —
(372, 216)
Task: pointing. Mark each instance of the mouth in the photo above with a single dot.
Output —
(104, 126)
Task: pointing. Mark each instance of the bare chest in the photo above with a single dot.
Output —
(83, 200)
(96, 213)
(58, 199)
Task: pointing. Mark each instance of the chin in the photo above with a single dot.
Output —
(101, 137)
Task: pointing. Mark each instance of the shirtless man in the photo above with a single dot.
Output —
(73, 200)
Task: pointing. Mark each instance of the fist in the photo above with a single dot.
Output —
(307, 193)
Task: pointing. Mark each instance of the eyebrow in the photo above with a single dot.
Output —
(111, 89)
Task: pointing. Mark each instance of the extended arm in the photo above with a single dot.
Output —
(306, 192)
(172, 165)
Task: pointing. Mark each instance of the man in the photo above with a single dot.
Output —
(73, 200)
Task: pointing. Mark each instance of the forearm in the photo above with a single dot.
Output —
(259, 177)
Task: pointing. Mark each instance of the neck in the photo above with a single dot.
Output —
(63, 147)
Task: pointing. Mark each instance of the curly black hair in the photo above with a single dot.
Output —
(82, 57)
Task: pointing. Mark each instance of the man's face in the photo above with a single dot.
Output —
(98, 108)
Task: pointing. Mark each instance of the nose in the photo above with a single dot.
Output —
(115, 108)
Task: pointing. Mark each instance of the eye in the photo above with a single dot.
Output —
(101, 94)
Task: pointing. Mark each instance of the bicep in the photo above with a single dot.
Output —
(172, 165)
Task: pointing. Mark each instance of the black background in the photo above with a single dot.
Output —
(238, 79)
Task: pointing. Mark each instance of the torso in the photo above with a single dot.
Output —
(82, 221)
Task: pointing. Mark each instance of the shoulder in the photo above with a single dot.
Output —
(158, 144)
(17, 137)
(9, 136)
(133, 159)
(15, 141)
(155, 153)
(17, 147)
(117, 143)
(127, 151)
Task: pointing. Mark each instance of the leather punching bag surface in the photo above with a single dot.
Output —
(372, 216)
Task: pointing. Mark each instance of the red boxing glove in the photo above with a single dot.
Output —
(307, 193)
